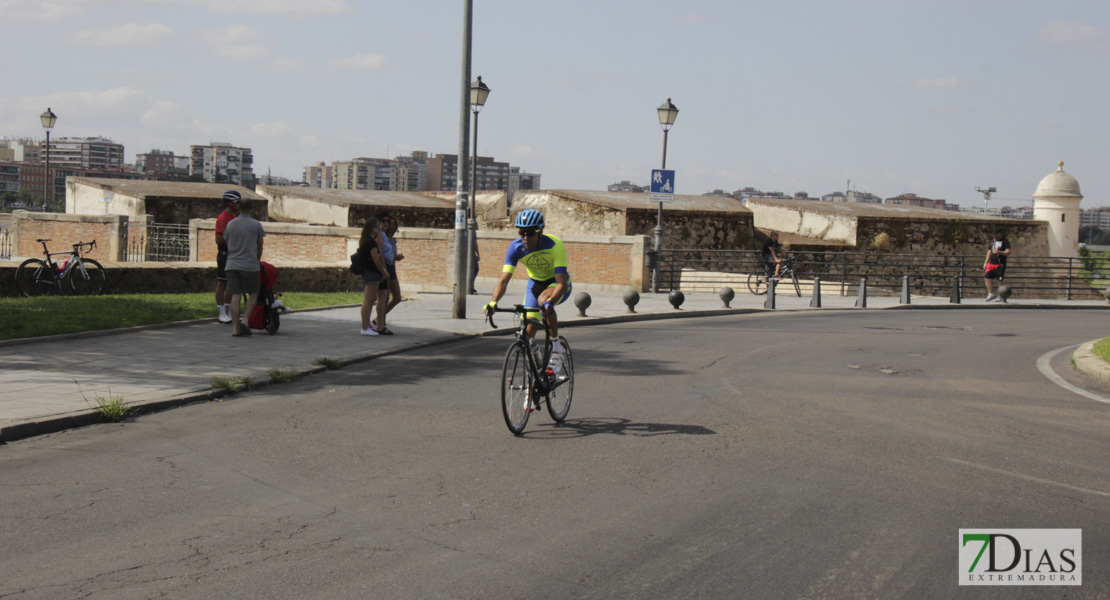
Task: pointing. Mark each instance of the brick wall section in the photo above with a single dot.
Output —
(285, 242)
(64, 230)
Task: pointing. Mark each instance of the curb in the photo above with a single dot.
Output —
(1090, 363)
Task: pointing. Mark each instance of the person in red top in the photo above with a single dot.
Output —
(231, 210)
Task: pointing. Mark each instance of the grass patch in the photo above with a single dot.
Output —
(54, 315)
(324, 361)
(233, 384)
(1102, 349)
(111, 408)
(283, 375)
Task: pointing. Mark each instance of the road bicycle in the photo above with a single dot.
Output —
(757, 282)
(525, 384)
(75, 274)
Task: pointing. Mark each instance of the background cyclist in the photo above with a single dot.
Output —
(545, 258)
(772, 254)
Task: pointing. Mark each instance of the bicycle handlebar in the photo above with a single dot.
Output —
(519, 309)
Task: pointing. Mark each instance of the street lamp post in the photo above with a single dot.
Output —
(667, 114)
(48, 119)
(478, 93)
(458, 305)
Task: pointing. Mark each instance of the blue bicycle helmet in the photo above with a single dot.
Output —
(232, 196)
(530, 219)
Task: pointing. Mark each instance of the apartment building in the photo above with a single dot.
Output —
(95, 153)
(361, 174)
(161, 162)
(443, 173)
(220, 162)
(318, 175)
(627, 186)
(1095, 217)
(914, 200)
(409, 173)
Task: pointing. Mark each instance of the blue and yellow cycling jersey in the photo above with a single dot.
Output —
(542, 263)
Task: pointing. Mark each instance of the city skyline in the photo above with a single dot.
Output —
(929, 97)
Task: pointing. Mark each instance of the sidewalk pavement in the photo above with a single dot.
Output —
(47, 384)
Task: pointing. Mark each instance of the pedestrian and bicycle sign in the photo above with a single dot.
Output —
(662, 185)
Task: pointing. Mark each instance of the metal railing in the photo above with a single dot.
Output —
(6, 244)
(1080, 278)
(159, 242)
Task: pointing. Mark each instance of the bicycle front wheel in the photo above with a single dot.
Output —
(35, 278)
(757, 284)
(87, 278)
(516, 386)
(562, 388)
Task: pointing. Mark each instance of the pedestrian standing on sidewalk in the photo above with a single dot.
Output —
(375, 276)
(244, 251)
(231, 200)
(994, 267)
(391, 255)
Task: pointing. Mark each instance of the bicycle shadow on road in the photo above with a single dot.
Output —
(574, 428)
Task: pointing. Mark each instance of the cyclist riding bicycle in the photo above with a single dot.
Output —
(549, 285)
(772, 254)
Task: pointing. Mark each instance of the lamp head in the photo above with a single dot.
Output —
(48, 118)
(478, 93)
(667, 114)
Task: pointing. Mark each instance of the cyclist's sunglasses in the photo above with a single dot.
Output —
(527, 232)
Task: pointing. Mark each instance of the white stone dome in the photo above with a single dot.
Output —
(1058, 185)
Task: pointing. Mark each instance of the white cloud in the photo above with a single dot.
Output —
(127, 34)
(1070, 32)
(523, 151)
(690, 18)
(949, 83)
(294, 7)
(39, 10)
(289, 66)
(359, 62)
(237, 41)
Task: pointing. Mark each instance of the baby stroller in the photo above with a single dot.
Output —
(265, 315)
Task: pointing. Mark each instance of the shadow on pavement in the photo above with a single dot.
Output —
(573, 428)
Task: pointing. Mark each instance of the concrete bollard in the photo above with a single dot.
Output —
(726, 295)
(770, 301)
(955, 290)
(582, 300)
(1004, 293)
(676, 298)
(861, 300)
(631, 298)
(816, 301)
(905, 290)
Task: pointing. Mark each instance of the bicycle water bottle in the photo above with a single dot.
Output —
(63, 265)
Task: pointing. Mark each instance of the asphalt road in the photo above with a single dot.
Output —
(824, 455)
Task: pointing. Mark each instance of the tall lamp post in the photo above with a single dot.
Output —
(48, 118)
(478, 93)
(458, 305)
(667, 114)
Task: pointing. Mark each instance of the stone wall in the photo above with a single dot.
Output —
(694, 229)
(949, 237)
(407, 216)
(285, 242)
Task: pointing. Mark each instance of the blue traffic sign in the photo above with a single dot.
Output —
(662, 181)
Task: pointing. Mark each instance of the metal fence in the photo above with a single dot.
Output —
(1081, 278)
(5, 244)
(162, 242)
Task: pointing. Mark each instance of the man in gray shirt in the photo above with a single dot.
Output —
(244, 249)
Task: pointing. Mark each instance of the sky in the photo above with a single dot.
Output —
(933, 97)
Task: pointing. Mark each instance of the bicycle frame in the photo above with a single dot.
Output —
(536, 365)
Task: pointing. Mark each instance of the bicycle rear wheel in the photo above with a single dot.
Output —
(757, 284)
(87, 278)
(35, 278)
(516, 386)
(794, 278)
(562, 389)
